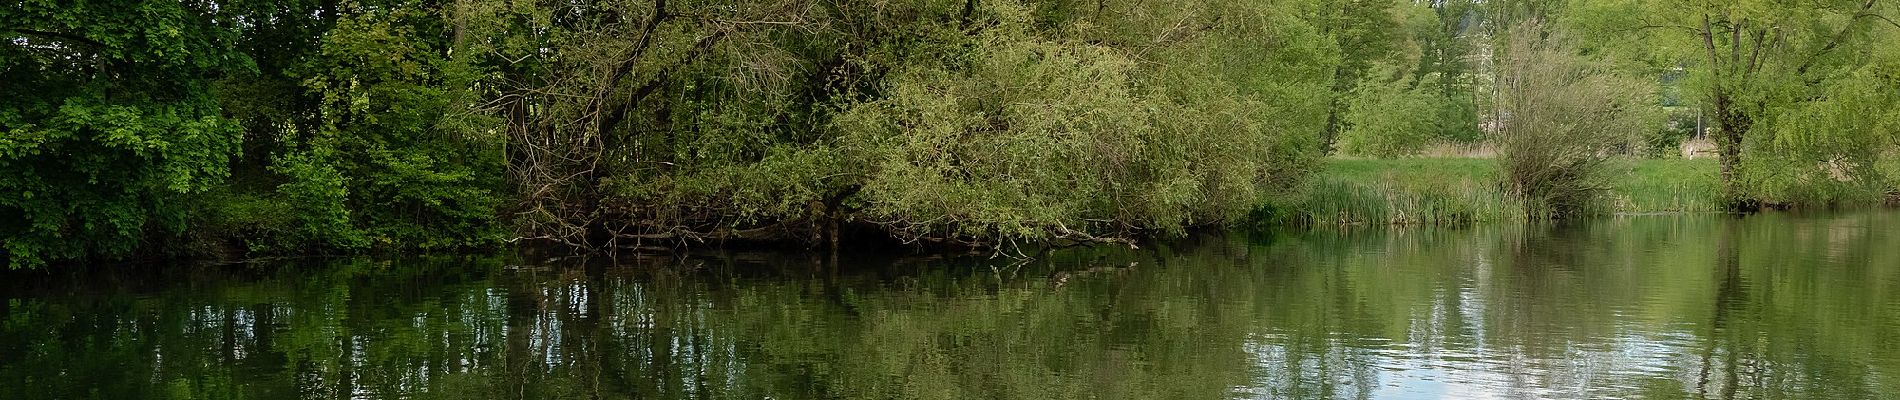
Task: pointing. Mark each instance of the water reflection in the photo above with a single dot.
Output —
(1773, 306)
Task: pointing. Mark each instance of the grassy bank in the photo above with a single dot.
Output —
(1466, 190)
(1665, 186)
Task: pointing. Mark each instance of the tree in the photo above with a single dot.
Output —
(1839, 145)
(781, 120)
(110, 120)
(1053, 138)
(1391, 114)
(1750, 58)
(1365, 32)
(401, 154)
(1407, 84)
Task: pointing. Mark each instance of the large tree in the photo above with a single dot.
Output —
(109, 119)
(1751, 60)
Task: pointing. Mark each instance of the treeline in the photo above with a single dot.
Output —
(236, 127)
(273, 126)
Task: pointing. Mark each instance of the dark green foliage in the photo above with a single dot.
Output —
(399, 156)
(340, 126)
(109, 120)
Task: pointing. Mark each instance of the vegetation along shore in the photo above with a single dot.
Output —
(237, 129)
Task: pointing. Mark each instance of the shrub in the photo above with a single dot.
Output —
(1561, 116)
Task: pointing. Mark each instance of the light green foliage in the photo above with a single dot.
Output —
(1418, 94)
(1391, 117)
(1828, 150)
(1365, 32)
(1038, 137)
(982, 148)
(1443, 36)
(1767, 73)
(1455, 191)
(318, 197)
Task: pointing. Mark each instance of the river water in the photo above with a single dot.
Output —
(1768, 306)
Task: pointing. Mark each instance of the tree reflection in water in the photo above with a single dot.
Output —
(1769, 306)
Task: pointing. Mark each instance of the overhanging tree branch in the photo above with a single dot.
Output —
(1838, 37)
(58, 35)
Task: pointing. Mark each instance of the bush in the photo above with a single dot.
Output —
(1047, 138)
(1562, 117)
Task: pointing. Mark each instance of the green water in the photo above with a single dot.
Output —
(1771, 306)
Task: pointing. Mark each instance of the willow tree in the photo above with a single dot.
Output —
(1144, 117)
(944, 119)
(646, 116)
(1751, 59)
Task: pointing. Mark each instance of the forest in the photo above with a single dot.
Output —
(238, 128)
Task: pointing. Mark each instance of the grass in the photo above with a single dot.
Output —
(1443, 191)
(1667, 186)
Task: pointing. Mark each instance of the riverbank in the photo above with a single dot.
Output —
(1452, 191)
(1466, 190)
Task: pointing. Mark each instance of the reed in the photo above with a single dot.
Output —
(1457, 191)
(1436, 191)
(1667, 186)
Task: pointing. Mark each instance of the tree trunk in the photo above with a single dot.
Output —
(1342, 87)
(1731, 124)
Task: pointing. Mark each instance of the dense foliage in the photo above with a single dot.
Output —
(958, 121)
(237, 127)
(109, 120)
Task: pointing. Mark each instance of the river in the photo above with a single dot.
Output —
(1694, 306)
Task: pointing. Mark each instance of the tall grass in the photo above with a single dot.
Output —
(1667, 186)
(1455, 191)
(1440, 191)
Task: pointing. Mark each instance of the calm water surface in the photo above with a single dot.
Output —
(1771, 306)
